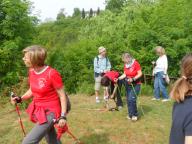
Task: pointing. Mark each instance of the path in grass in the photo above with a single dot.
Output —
(98, 127)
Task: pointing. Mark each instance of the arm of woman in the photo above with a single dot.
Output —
(188, 139)
(27, 95)
(165, 65)
(122, 76)
(63, 100)
(139, 74)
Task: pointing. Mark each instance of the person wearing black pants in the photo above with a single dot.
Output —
(108, 80)
(117, 93)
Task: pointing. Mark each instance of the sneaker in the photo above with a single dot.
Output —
(155, 99)
(128, 117)
(120, 108)
(105, 98)
(134, 118)
(165, 100)
(97, 101)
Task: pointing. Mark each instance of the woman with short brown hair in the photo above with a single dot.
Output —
(49, 100)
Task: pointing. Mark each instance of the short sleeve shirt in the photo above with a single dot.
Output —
(112, 75)
(181, 121)
(132, 71)
(43, 85)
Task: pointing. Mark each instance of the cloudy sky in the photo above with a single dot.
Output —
(49, 8)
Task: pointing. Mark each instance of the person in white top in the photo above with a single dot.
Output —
(160, 72)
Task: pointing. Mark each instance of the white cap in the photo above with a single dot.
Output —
(101, 49)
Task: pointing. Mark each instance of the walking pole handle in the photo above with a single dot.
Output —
(18, 112)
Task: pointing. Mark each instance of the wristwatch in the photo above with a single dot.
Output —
(63, 114)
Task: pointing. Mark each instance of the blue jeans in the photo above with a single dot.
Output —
(132, 98)
(160, 86)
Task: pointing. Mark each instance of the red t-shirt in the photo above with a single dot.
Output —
(112, 75)
(43, 86)
(132, 71)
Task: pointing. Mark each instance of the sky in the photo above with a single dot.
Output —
(48, 9)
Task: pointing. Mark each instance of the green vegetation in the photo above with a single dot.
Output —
(134, 26)
(17, 29)
(72, 42)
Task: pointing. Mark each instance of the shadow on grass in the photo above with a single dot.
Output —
(144, 109)
(95, 139)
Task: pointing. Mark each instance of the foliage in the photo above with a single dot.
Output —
(77, 13)
(83, 13)
(115, 5)
(16, 31)
(91, 13)
(61, 14)
(127, 26)
(137, 28)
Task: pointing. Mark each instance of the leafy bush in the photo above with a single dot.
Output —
(146, 90)
(134, 26)
(131, 26)
(16, 31)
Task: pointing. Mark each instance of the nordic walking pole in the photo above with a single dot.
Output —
(74, 138)
(114, 91)
(138, 98)
(19, 115)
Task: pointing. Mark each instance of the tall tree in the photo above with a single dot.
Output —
(91, 13)
(115, 5)
(61, 14)
(76, 13)
(16, 31)
(83, 13)
(98, 11)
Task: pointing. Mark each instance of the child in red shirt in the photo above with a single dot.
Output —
(49, 100)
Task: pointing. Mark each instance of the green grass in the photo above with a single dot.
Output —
(99, 127)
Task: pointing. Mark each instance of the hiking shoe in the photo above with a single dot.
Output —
(120, 108)
(106, 98)
(128, 117)
(134, 118)
(155, 99)
(165, 100)
(97, 101)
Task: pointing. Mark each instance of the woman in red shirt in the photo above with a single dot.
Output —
(132, 75)
(49, 100)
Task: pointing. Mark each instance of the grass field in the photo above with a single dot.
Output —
(99, 127)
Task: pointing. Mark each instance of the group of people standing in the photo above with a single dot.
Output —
(181, 129)
(131, 79)
(49, 102)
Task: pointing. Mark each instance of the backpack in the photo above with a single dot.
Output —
(68, 104)
(67, 97)
(107, 60)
